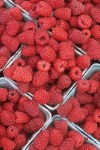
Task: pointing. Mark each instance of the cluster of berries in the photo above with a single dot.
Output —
(60, 137)
(84, 108)
(78, 20)
(19, 119)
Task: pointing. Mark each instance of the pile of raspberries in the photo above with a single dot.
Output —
(60, 137)
(19, 119)
(84, 107)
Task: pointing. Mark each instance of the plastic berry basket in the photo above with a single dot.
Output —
(72, 127)
(4, 82)
(95, 67)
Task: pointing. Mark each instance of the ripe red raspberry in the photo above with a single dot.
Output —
(63, 24)
(3, 94)
(20, 141)
(63, 13)
(59, 65)
(27, 37)
(59, 34)
(96, 115)
(64, 82)
(64, 109)
(5, 16)
(84, 98)
(82, 86)
(23, 87)
(83, 61)
(1, 3)
(42, 140)
(51, 147)
(74, 102)
(75, 73)
(7, 144)
(42, 96)
(77, 7)
(88, 147)
(3, 61)
(47, 23)
(76, 115)
(21, 102)
(19, 127)
(48, 54)
(21, 117)
(27, 5)
(90, 108)
(54, 44)
(95, 31)
(43, 65)
(7, 118)
(28, 51)
(78, 138)
(43, 9)
(73, 21)
(13, 96)
(94, 85)
(12, 27)
(22, 74)
(40, 78)
(87, 33)
(41, 37)
(2, 131)
(97, 134)
(16, 13)
(30, 25)
(5, 52)
(19, 62)
(32, 108)
(95, 14)
(84, 21)
(56, 3)
(68, 143)
(56, 137)
(55, 98)
(90, 127)
(12, 132)
(9, 106)
(62, 126)
(77, 36)
(8, 72)
(11, 43)
(70, 63)
(96, 1)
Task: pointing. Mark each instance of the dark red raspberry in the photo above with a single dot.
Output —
(75, 73)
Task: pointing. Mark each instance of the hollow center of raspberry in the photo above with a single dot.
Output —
(42, 39)
(19, 64)
(44, 65)
(12, 94)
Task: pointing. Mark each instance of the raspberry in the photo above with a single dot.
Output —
(3, 61)
(28, 51)
(40, 78)
(84, 98)
(96, 115)
(59, 65)
(32, 61)
(76, 115)
(27, 37)
(68, 143)
(53, 73)
(13, 96)
(23, 87)
(27, 5)
(73, 21)
(63, 13)
(7, 118)
(32, 147)
(19, 127)
(96, 1)
(1, 3)
(8, 106)
(62, 126)
(87, 33)
(21, 117)
(93, 49)
(64, 109)
(7, 144)
(5, 52)
(32, 108)
(22, 74)
(20, 141)
(48, 54)
(83, 61)
(97, 134)
(21, 102)
(84, 21)
(78, 138)
(3, 94)
(43, 9)
(56, 137)
(59, 34)
(70, 63)
(95, 31)
(16, 13)
(42, 140)
(19, 62)
(75, 73)
(77, 36)
(50, 147)
(8, 72)
(74, 102)
(42, 96)
(47, 23)
(90, 108)
(64, 82)
(10, 42)
(55, 98)
(41, 37)
(77, 7)
(30, 25)
(88, 147)
(12, 27)
(82, 86)
(43, 65)
(88, 7)
(56, 3)
(5, 16)
(90, 127)
(63, 24)
(12, 132)
(66, 51)
(93, 86)
(54, 44)
(2, 131)
(95, 14)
